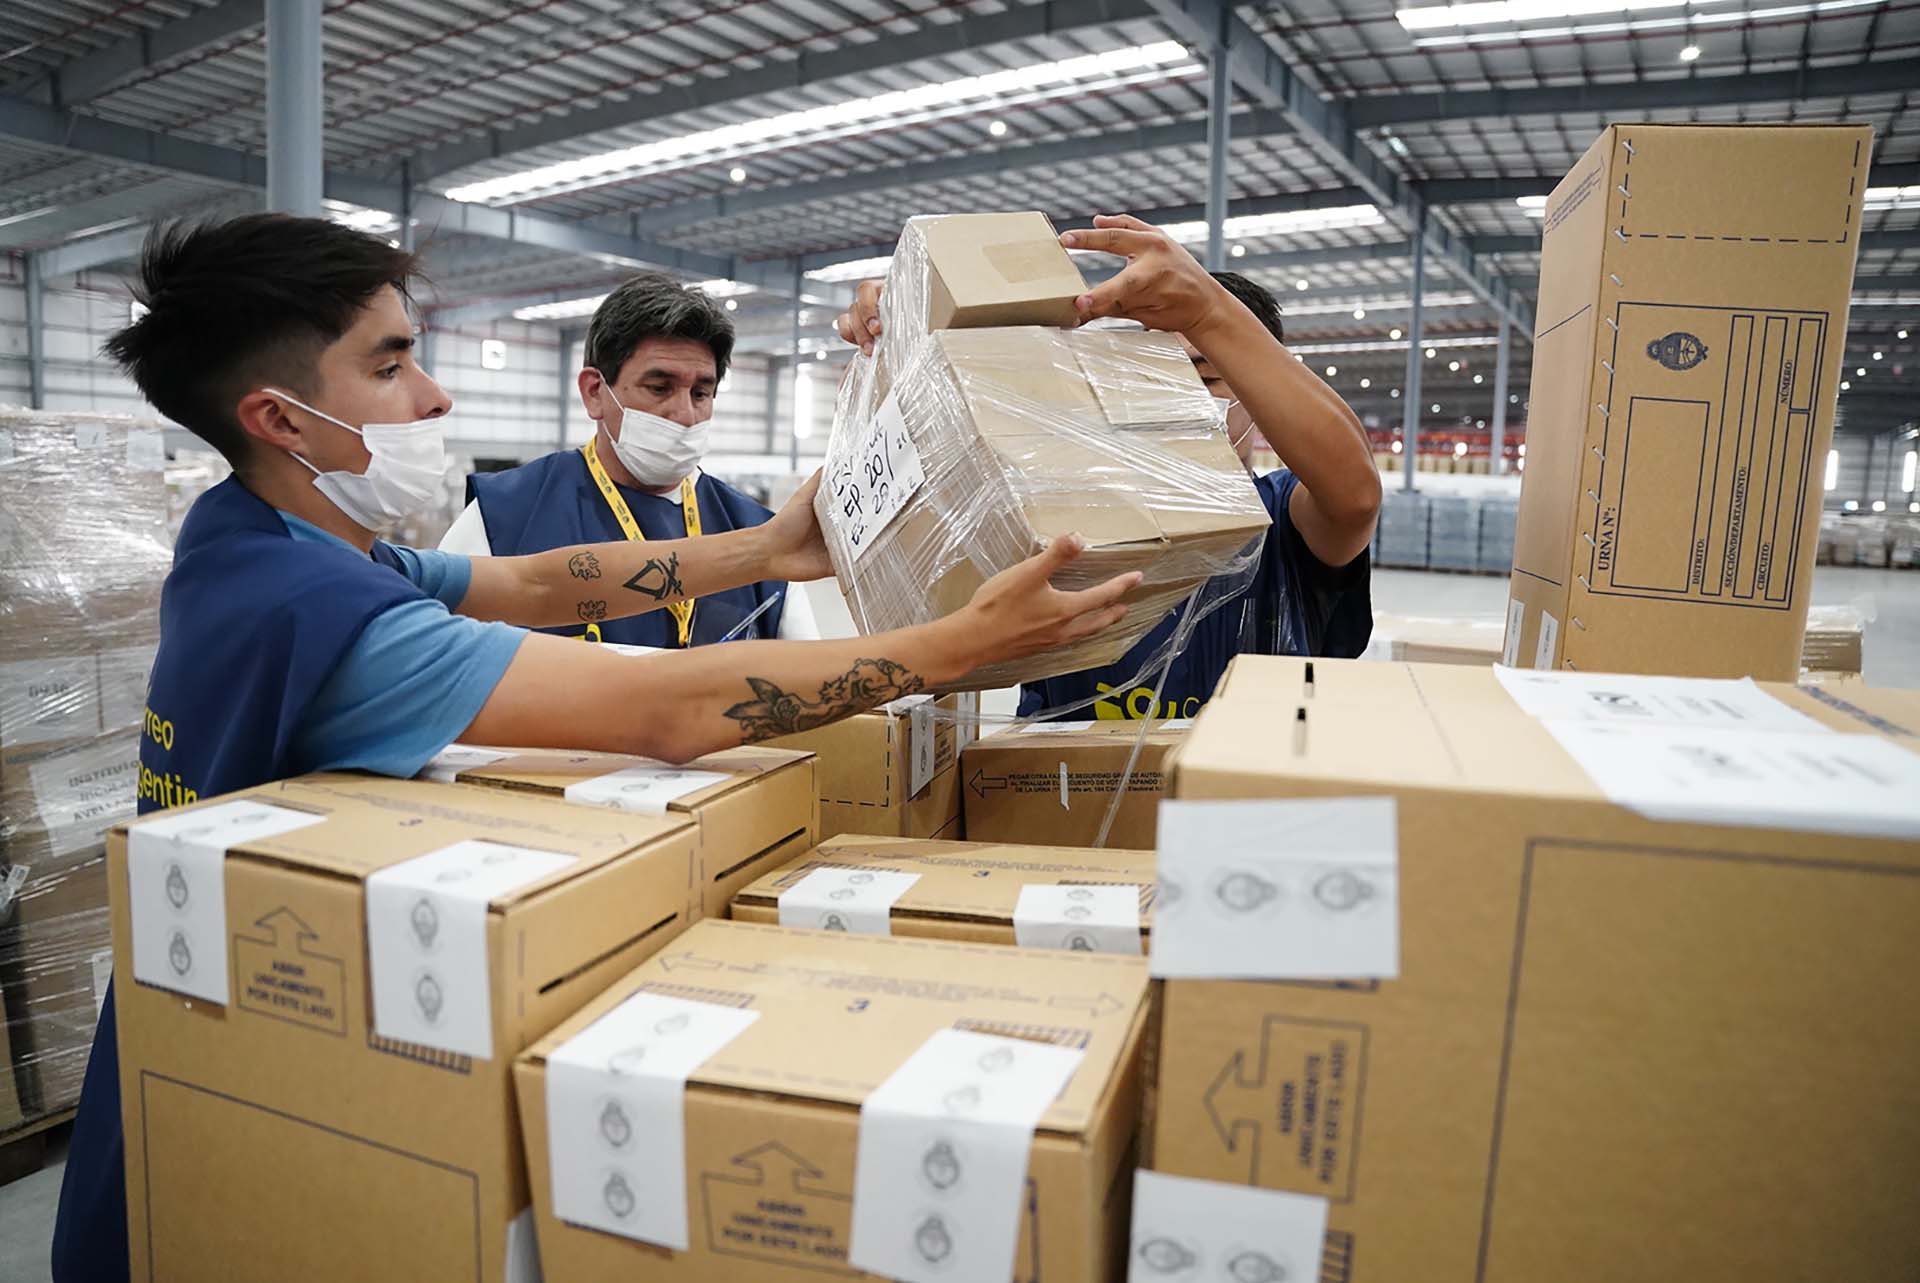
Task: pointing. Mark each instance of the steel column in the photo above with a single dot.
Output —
(793, 437)
(1410, 421)
(1219, 129)
(568, 383)
(1501, 356)
(295, 161)
(36, 334)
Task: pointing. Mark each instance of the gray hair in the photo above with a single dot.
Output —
(655, 306)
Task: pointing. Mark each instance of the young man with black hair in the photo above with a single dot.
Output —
(1309, 591)
(656, 353)
(292, 639)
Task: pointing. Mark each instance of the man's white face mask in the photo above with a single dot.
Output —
(404, 475)
(656, 450)
(1224, 407)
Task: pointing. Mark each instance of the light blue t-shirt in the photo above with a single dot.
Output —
(413, 680)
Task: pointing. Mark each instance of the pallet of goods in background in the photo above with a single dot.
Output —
(84, 545)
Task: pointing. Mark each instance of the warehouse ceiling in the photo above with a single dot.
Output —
(547, 147)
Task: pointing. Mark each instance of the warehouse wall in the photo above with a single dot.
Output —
(512, 412)
(1872, 468)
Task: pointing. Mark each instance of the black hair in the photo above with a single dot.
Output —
(236, 304)
(655, 306)
(1258, 298)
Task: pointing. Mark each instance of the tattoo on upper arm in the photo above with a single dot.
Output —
(658, 579)
(584, 565)
(868, 684)
(591, 610)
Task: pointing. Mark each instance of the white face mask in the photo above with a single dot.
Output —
(1224, 407)
(405, 474)
(657, 451)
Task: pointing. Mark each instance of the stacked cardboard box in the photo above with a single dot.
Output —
(830, 1129)
(1053, 783)
(84, 545)
(322, 985)
(1693, 302)
(1402, 538)
(969, 891)
(893, 772)
(959, 450)
(753, 809)
(1612, 949)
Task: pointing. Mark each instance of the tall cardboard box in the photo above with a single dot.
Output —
(772, 1121)
(892, 772)
(56, 956)
(754, 808)
(967, 890)
(282, 1129)
(1617, 1047)
(1051, 783)
(1694, 285)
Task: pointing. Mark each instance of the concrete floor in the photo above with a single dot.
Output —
(1892, 658)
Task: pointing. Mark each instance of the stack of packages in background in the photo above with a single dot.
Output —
(190, 474)
(426, 528)
(84, 545)
(984, 427)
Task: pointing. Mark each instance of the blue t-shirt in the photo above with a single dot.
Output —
(413, 680)
(1294, 605)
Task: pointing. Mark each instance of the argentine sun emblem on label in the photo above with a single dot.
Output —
(1678, 350)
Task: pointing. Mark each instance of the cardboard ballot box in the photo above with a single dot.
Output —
(755, 808)
(1692, 322)
(1052, 782)
(753, 1156)
(989, 892)
(1629, 946)
(321, 985)
(893, 772)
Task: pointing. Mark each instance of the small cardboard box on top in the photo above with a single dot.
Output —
(962, 890)
(754, 808)
(367, 957)
(1618, 1047)
(893, 772)
(773, 1120)
(1694, 285)
(1052, 782)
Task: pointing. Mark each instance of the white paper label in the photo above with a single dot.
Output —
(1104, 919)
(1826, 783)
(1516, 621)
(643, 790)
(1549, 639)
(10, 887)
(146, 448)
(176, 884)
(1278, 890)
(90, 436)
(1631, 700)
(627, 648)
(523, 1250)
(920, 736)
(427, 941)
(455, 758)
(102, 963)
(941, 1169)
(616, 1116)
(873, 483)
(1057, 728)
(124, 672)
(80, 793)
(1196, 1231)
(49, 699)
(858, 901)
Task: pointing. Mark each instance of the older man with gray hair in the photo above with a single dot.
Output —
(656, 353)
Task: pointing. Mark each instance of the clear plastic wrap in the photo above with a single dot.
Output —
(84, 547)
(1835, 636)
(957, 453)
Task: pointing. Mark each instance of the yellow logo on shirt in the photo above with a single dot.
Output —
(1136, 705)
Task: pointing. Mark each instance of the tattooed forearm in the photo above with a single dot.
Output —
(584, 565)
(592, 610)
(868, 684)
(658, 579)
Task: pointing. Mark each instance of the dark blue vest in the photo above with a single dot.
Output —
(252, 622)
(552, 502)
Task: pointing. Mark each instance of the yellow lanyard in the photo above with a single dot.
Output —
(689, 507)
